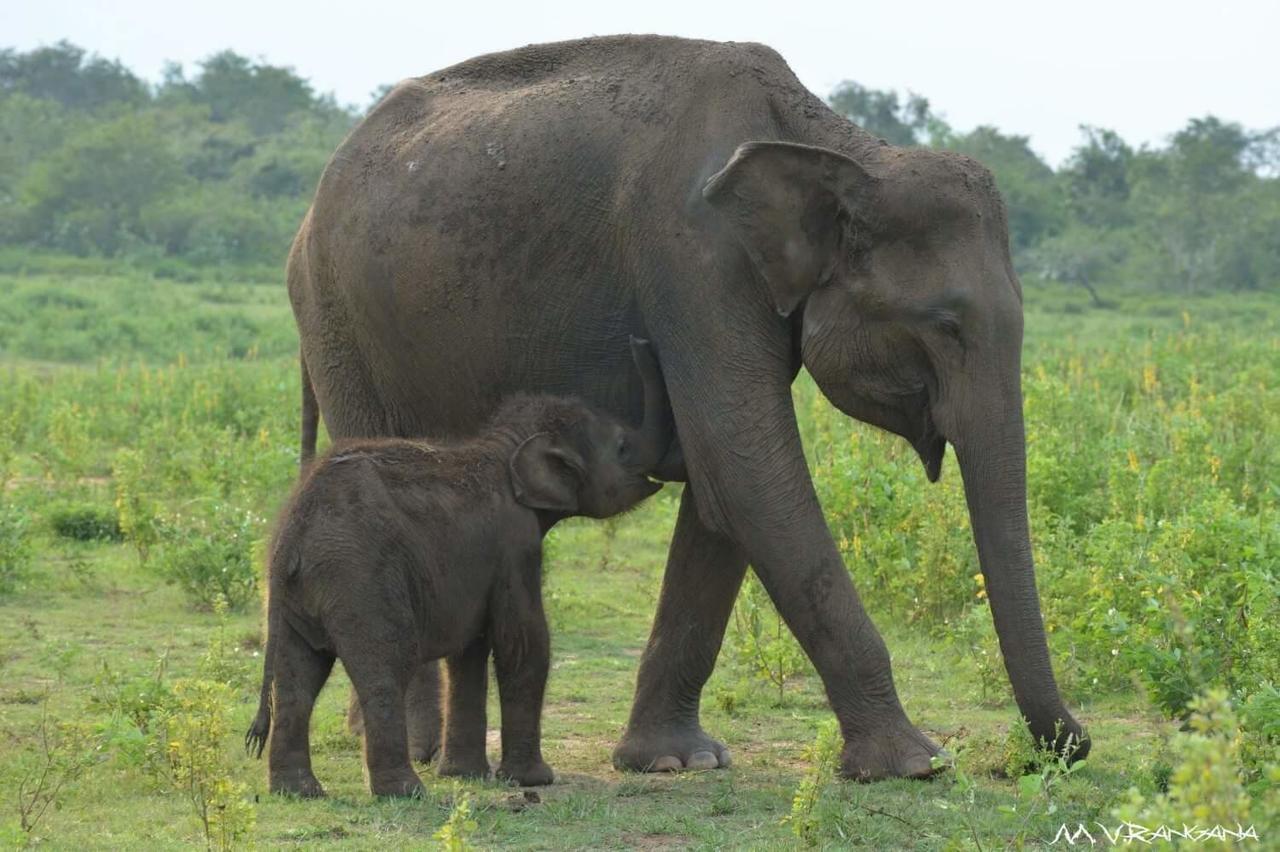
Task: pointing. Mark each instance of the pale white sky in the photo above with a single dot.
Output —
(1030, 67)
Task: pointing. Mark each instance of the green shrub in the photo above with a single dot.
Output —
(210, 555)
(85, 522)
(1206, 788)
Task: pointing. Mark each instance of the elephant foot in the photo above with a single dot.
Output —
(670, 751)
(899, 751)
(297, 782)
(398, 784)
(535, 774)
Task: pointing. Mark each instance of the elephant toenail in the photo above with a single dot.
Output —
(666, 763)
(702, 760)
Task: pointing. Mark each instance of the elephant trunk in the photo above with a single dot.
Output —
(650, 442)
(992, 457)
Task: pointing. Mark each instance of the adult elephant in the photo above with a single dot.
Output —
(506, 223)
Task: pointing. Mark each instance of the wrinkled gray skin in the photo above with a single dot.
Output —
(505, 223)
(393, 552)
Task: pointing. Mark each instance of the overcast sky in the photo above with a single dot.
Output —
(1031, 67)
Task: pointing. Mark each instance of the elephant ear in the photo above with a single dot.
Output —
(784, 202)
(546, 476)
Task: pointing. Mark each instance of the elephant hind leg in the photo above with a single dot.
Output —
(298, 673)
(422, 712)
(704, 572)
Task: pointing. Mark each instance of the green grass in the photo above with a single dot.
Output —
(208, 404)
(112, 611)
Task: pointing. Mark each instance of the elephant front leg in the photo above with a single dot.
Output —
(791, 549)
(751, 484)
(522, 660)
(704, 573)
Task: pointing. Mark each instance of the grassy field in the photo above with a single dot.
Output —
(148, 427)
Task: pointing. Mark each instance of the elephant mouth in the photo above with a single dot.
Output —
(929, 443)
(931, 448)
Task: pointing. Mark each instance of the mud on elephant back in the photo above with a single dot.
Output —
(696, 194)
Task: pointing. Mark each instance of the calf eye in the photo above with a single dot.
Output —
(623, 448)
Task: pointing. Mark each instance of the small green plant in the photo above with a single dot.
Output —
(822, 757)
(137, 509)
(1036, 788)
(966, 790)
(761, 641)
(196, 730)
(133, 709)
(454, 835)
(725, 799)
(63, 753)
(15, 545)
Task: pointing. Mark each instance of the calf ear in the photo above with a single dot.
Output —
(545, 476)
(784, 203)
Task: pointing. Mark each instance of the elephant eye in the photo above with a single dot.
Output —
(623, 448)
(949, 324)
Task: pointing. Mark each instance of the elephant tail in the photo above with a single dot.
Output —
(310, 416)
(255, 739)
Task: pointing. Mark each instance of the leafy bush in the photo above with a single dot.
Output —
(85, 522)
(1207, 788)
(210, 555)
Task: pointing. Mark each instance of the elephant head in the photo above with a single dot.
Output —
(911, 321)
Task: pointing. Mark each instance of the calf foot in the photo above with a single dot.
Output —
(400, 783)
(670, 750)
(895, 751)
(534, 774)
(296, 782)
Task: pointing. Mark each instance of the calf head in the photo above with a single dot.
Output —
(581, 462)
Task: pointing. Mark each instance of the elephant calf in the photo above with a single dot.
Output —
(391, 552)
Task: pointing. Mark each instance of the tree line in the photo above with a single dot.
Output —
(217, 167)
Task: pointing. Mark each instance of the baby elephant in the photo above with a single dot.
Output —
(391, 552)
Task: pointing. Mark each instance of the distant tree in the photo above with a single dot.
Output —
(87, 194)
(1079, 256)
(63, 73)
(897, 120)
(1096, 177)
(1194, 201)
(236, 89)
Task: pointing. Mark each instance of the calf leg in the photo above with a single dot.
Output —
(422, 712)
(465, 725)
(298, 673)
(380, 679)
(522, 659)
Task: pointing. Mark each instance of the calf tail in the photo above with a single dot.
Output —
(255, 738)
